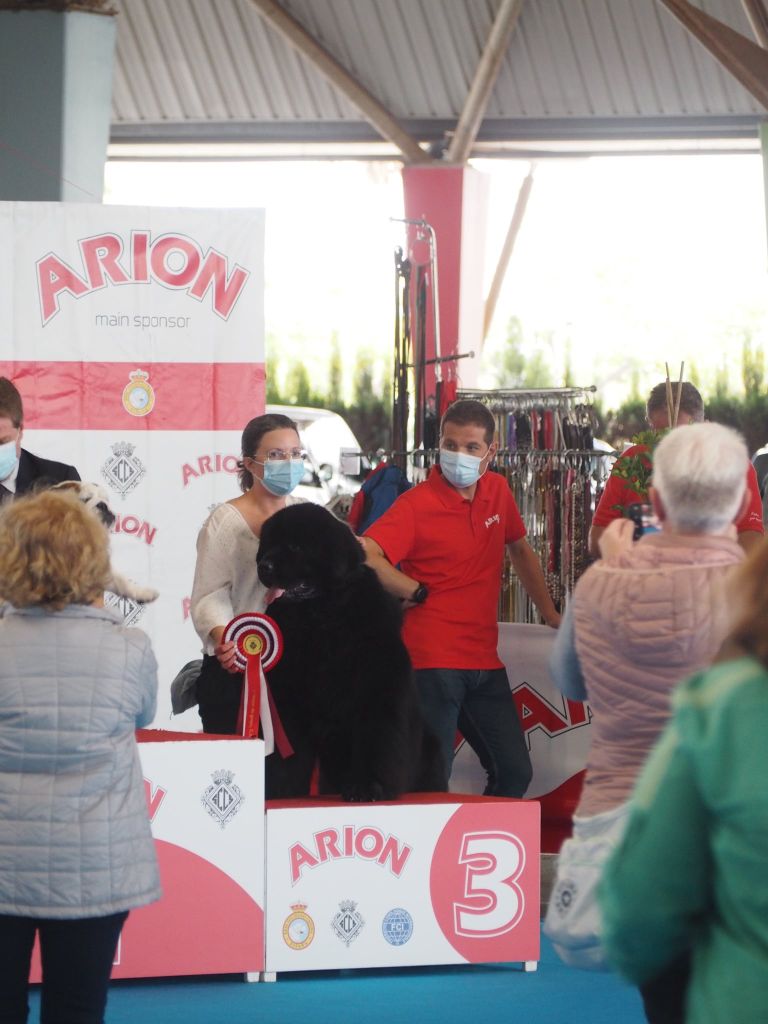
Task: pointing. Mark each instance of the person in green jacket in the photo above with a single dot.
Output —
(689, 876)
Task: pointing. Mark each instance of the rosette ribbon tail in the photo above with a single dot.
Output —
(256, 703)
(250, 706)
(281, 737)
(259, 705)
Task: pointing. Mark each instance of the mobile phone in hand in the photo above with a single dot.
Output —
(644, 518)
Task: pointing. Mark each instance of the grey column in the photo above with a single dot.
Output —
(55, 104)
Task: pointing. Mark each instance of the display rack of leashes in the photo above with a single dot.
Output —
(556, 475)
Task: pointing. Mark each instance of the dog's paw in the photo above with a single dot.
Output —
(123, 587)
(367, 792)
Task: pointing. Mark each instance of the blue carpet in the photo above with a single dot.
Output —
(499, 993)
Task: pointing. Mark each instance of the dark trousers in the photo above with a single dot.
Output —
(479, 703)
(664, 995)
(77, 958)
(218, 697)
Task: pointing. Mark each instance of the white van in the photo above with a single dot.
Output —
(324, 434)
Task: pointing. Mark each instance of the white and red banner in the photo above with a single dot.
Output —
(442, 880)
(557, 730)
(136, 338)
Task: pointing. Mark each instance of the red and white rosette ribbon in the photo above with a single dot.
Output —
(258, 646)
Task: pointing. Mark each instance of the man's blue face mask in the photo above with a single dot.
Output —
(8, 459)
(459, 469)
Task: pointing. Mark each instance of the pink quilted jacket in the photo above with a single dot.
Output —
(644, 621)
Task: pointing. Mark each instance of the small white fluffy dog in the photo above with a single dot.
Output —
(95, 498)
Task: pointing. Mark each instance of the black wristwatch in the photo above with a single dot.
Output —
(420, 594)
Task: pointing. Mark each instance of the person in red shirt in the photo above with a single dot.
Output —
(618, 494)
(448, 535)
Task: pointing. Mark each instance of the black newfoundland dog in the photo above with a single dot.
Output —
(344, 686)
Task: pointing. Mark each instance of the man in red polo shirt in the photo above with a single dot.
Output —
(618, 494)
(448, 535)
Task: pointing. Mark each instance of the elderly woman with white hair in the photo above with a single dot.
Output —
(642, 619)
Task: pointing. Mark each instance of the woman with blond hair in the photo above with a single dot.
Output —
(76, 852)
(689, 873)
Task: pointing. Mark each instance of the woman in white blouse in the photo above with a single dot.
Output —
(226, 582)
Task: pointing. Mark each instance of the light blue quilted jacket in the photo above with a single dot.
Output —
(75, 839)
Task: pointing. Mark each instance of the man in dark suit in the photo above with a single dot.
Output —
(20, 470)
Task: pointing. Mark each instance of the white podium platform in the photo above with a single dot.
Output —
(206, 802)
(432, 879)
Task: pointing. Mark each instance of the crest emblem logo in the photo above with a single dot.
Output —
(397, 926)
(565, 896)
(130, 610)
(223, 798)
(138, 394)
(124, 470)
(298, 927)
(348, 922)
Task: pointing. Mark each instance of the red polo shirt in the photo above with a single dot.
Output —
(617, 492)
(456, 547)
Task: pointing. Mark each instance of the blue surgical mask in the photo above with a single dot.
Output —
(8, 459)
(282, 477)
(459, 469)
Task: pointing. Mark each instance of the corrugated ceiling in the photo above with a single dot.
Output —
(214, 69)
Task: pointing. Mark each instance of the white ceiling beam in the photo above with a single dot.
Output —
(506, 251)
(758, 20)
(485, 78)
(745, 60)
(372, 110)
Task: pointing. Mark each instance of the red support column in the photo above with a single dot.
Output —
(453, 200)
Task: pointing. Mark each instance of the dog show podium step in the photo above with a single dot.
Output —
(433, 878)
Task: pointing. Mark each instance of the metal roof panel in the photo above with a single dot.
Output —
(217, 63)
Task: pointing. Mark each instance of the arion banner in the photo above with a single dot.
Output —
(136, 338)
(558, 732)
(440, 879)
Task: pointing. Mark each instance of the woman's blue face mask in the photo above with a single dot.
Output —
(282, 477)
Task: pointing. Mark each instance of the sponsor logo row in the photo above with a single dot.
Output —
(347, 923)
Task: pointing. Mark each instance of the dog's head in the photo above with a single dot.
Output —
(304, 549)
(93, 496)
